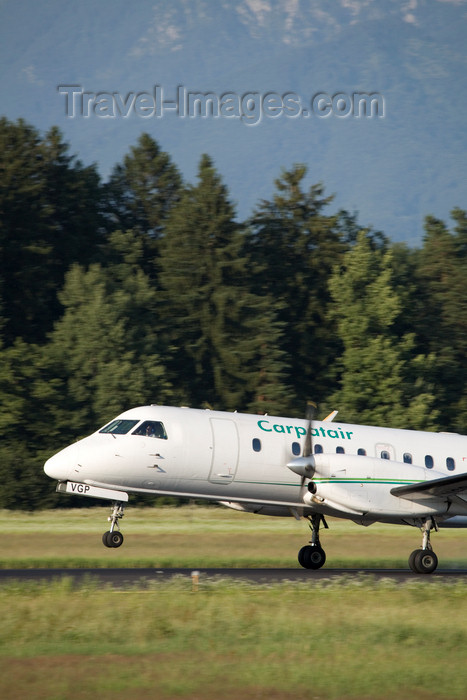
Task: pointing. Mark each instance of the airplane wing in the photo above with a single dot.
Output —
(448, 487)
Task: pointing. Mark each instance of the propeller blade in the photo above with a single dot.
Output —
(311, 410)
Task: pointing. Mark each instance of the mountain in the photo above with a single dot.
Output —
(393, 169)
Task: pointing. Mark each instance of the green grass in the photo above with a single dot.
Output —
(197, 537)
(349, 639)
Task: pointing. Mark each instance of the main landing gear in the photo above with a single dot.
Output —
(313, 556)
(114, 538)
(424, 560)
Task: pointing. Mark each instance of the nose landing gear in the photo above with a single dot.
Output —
(313, 556)
(424, 560)
(114, 538)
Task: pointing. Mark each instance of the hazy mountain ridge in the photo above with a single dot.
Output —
(411, 52)
(294, 24)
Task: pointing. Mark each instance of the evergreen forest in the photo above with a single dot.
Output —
(147, 289)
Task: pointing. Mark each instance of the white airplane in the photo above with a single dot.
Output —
(274, 466)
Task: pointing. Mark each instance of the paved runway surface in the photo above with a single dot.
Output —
(141, 577)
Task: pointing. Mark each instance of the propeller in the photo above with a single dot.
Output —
(311, 409)
(305, 465)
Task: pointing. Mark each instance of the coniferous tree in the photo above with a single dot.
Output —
(74, 205)
(293, 246)
(105, 348)
(24, 248)
(28, 425)
(268, 391)
(141, 193)
(48, 219)
(223, 336)
(442, 320)
(382, 380)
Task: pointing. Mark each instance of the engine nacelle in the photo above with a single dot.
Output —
(357, 484)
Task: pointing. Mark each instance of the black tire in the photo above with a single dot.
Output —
(311, 557)
(412, 560)
(425, 561)
(302, 556)
(105, 539)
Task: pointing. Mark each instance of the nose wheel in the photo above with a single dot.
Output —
(114, 538)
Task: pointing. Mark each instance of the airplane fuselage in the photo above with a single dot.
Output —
(241, 460)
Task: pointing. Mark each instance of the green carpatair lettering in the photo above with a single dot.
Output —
(333, 433)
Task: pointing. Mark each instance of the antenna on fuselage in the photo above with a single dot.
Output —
(331, 416)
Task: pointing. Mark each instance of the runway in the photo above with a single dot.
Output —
(123, 578)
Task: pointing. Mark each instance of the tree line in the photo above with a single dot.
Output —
(148, 289)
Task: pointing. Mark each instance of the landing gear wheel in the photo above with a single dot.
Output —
(412, 560)
(425, 561)
(105, 541)
(112, 539)
(302, 556)
(311, 557)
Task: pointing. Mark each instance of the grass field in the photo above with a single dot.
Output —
(194, 536)
(353, 638)
(350, 639)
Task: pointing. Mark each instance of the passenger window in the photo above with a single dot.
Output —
(450, 463)
(256, 445)
(119, 426)
(296, 448)
(340, 450)
(385, 455)
(361, 451)
(152, 429)
(429, 462)
(318, 449)
(407, 458)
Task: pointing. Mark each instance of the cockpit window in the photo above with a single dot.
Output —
(120, 426)
(151, 428)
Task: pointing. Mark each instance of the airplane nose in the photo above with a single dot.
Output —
(56, 468)
(60, 465)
